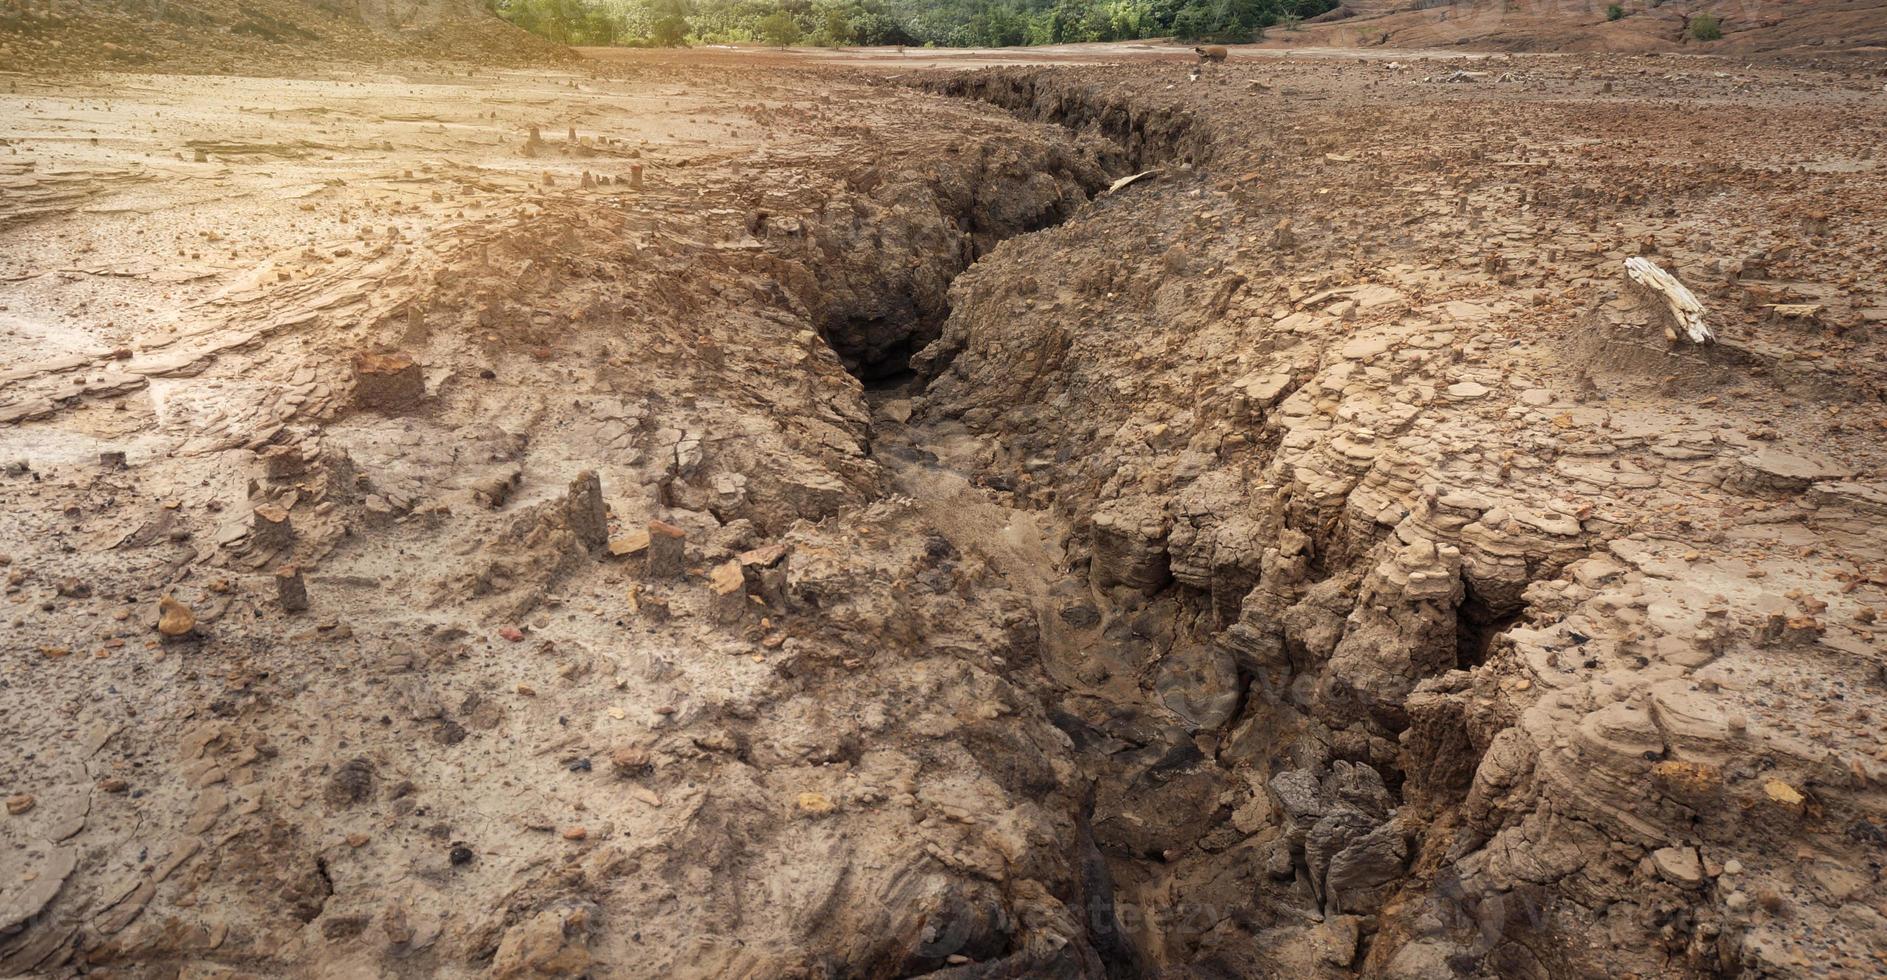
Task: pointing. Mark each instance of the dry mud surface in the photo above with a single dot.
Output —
(1796, 28)
(758, 521)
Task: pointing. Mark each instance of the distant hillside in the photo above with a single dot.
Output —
(220, 36)
(1768, 27)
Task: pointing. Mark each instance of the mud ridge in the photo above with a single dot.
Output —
(1150, 134)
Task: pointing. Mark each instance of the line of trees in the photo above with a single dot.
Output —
(943, 23)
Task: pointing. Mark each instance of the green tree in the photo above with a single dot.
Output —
(778, 29)
(564, 21)
(668, 22)
(958, 23)
(1704, 27)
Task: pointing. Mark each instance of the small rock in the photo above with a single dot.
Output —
(630, 761)
(290, 590)
(387, 382)
(815, 804)
(1336, 939)
(667, 550)
(269, 527)
(351, 784)
(583, 508)
(629, 543)
(17, 805)
(1679, 865)
(551, 944)
(728, 583)
(174, 619)
(343, 927)
(1783, 795)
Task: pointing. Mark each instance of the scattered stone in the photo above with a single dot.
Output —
(17, 805)
(114, 460)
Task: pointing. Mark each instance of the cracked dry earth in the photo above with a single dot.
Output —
(791, 523)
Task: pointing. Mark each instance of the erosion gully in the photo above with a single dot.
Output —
(1089, 648)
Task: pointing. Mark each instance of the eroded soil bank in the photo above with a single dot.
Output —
(1309, 559)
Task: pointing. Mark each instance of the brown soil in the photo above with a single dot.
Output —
(733, 514)
(259, 37)
(1796, 29)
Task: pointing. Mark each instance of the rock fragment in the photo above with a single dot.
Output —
(1679, 865)
(290, 591)
(270, 528)
(351, 784)
(583, 508)
(630, 762)
(553, 943)
(174, 619)
(387, 382)
(667, 550)
(728, 584)
(632, 542)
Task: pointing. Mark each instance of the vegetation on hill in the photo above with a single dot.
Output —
(944, 23)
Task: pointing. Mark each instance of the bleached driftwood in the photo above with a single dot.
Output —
(1129, 179)
(1687, 314)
